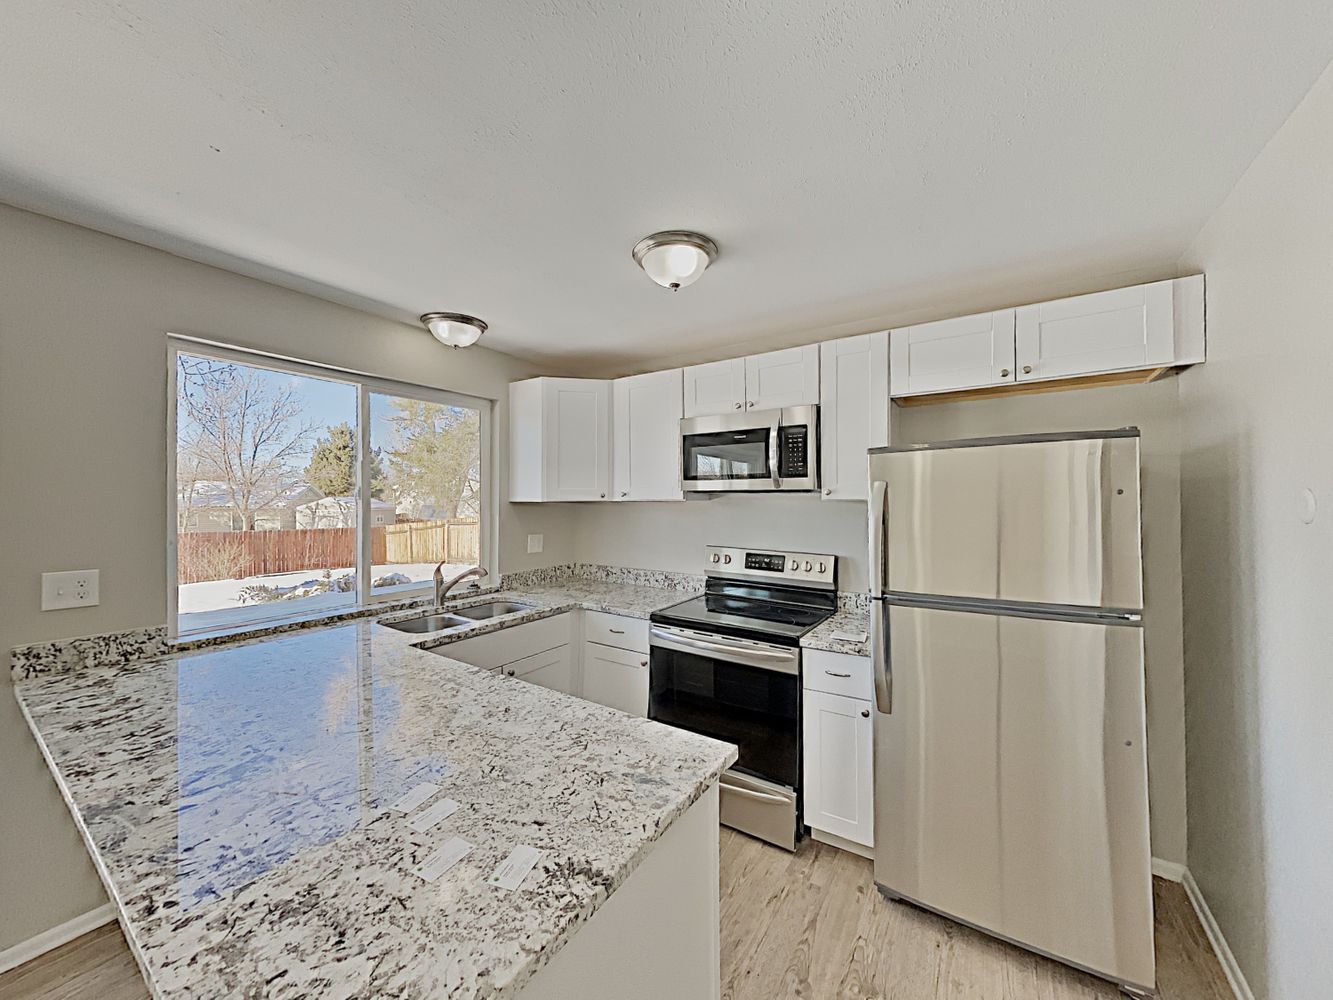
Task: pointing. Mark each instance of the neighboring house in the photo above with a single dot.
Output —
(205, 505)
(340, 512)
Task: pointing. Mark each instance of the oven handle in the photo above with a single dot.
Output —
(784, 661)
(751, 794)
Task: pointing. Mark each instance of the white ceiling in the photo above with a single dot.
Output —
(858, 163)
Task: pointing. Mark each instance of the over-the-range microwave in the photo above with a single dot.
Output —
(751, 451)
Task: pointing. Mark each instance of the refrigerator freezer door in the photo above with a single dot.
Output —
(1027, 522)
(1011, 783)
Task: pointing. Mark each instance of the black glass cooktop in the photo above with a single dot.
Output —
(726, 614)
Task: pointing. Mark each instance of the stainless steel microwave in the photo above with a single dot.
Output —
(757, 450)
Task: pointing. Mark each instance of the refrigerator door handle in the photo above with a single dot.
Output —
(881, 666)
(878, 509)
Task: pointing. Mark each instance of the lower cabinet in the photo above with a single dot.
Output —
(838, 737)
(553, 668)
(616, 677)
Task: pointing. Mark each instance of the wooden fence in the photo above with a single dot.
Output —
(232, 555)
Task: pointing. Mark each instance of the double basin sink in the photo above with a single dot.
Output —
(461, 618)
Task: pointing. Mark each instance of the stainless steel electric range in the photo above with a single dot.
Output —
(728, 665)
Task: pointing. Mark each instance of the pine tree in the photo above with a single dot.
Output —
(332, 468)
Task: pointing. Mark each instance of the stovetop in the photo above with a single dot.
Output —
(747, 617)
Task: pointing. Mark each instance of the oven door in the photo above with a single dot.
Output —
(744, 692)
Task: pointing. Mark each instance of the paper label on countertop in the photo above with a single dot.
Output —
(849, 636)
(511, 872)
(440, 861)
(415, 797)
(433, 815)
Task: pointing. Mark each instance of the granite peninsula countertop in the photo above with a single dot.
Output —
(235, 802)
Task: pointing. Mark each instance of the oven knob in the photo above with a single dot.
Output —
(716, 557)
(795, 565)
(808, 567)
(822, 568)
(726, 559)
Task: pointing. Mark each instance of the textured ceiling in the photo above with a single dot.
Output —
(858, 163)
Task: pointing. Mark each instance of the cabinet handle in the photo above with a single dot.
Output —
(616, 631)
(749, 403)
(834, 673)
(602, 495)
(624, 493)
(643, 663)
(1027, 369)
(738, 406)
(1004, 373)
(827, 491)
(510, 673)
(865, 713)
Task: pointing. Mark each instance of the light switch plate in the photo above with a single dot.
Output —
(74, 589)
(535, 542)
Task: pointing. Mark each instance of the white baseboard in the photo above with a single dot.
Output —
(1172, 871)
(1229, 964)
(40, 944)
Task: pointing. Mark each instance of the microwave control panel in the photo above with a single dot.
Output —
(794, 452)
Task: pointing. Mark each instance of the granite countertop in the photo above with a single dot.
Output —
(852, 620)
(235, 802)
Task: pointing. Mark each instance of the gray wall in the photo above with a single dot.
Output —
(1258, 580)
(83, 405)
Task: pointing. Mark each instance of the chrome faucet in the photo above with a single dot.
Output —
(442, 587)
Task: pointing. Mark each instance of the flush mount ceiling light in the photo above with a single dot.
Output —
(675, 258)
(454, 329)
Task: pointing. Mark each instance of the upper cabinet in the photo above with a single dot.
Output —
(645, 436)
(759, 382)
(969, 352)
(1148, 326)
(718, 387)
(782, 378)
(854, 411)
(559, 439)
(1144, 329)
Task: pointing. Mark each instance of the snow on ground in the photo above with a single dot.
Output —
(217, 603)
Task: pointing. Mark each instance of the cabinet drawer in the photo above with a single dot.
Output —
(837, 673)
(496, 649)
(617, 678)
(616, 630)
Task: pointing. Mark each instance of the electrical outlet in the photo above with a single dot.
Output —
(535, 542)
(75, 589)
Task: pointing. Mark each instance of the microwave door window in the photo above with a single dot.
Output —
(727, 455)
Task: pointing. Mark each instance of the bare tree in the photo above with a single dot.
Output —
(242, 431)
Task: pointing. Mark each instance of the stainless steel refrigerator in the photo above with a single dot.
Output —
(1011, 787)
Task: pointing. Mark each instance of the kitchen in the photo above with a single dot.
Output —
(670, 493)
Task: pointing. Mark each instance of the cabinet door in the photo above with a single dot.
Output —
(964, 353)
(718, 387)
(577, 434)
(839, 781)
(782, 378)
(645, 436)
(854, 411)
(552, 669)
(616, 677)
(1125, 328)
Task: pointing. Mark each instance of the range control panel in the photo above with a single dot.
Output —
(772, 565)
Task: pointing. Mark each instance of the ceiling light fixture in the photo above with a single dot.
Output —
(675, 258)
(454, 329)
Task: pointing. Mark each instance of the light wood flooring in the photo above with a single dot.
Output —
(804, 926)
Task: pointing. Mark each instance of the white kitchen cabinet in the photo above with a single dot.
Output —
(968, 352)
(782, 378)
(616, 677)
(854, 411)
(1157, 325)
(559, 439)
(645, 436)
(553, 668)
(838, 738)
(717, 387)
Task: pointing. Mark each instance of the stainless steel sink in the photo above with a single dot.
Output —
(492, 610)
(429, 623)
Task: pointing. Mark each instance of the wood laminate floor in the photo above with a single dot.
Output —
(803, 926)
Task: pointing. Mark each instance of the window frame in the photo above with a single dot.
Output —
(365, 385)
